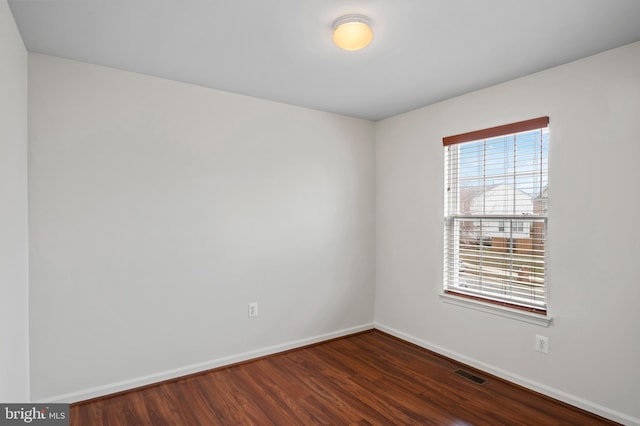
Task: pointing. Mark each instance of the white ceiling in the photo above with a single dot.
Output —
(423, 51)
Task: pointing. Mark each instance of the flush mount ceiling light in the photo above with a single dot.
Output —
(352, 32)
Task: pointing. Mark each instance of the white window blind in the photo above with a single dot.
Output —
(496, 189)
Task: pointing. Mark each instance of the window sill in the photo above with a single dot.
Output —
(528, 317)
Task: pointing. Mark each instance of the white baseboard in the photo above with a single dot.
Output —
(529, 384)
(197, 368)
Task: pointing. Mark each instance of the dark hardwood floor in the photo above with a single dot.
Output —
(369, 378)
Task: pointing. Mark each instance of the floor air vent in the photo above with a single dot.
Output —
(472, 377)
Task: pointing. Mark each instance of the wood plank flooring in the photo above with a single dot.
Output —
(369, 378)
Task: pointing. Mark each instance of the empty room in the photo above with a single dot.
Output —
(319, 212)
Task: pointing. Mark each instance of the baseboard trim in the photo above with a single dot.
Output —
(151, 379)
(513, 378)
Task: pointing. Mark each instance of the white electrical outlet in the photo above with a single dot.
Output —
(253, 309)
(542, 344)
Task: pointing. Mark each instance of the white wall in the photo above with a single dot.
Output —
(158, 210)
(593, 241)
(14, 286)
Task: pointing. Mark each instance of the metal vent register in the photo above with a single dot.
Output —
(471, 377)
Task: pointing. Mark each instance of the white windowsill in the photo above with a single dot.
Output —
(503, 311)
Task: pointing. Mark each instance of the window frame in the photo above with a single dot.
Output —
(537, 315)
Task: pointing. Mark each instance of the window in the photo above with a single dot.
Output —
(496, 186)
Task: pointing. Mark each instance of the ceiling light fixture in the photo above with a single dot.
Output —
(352, 32)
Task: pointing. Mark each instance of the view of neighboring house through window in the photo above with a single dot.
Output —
(496, 188)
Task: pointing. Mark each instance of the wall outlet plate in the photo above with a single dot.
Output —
(542, 344)
(253, 309)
